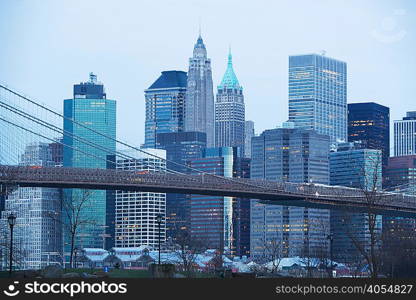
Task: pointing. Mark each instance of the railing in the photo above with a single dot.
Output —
(204, 184)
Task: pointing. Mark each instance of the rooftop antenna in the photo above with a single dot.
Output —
(199, 26)
(323, 52)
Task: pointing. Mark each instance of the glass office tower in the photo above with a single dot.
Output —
(353, 166)
(318, 94)
(369, 123)
(289, 155)
(180, 147)
(90, 109)
(165, 105)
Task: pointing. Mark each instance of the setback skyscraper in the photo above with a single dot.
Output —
(89, 109)
(318, 95)
(199, 102)
(165, 100)
(229, 111)
(38, 231)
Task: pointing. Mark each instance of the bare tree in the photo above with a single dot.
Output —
(369, 186)
(74, 216)
(187, 250)
(273, 252)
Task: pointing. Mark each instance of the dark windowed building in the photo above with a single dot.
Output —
(370, 123)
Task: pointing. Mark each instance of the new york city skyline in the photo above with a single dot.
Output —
(47, 52)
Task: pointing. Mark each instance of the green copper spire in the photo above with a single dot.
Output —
(229, 79)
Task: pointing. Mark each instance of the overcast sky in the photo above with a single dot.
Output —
(48, 45)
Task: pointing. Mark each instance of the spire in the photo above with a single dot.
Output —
(229, 79)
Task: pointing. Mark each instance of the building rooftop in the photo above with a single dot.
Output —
(170, 79)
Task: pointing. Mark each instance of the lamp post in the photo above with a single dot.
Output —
(330, 237)
(11, 219)
(75, 257)
(159, 222)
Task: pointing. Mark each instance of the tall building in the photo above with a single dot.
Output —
(229, 111)
(136, 212)
(405, 135)
(165, 100)
(370, 123)
(199, 103)
(212, 216)
(86, 114)
(38, 231)
(248, 134)
(318, 94)
(180, 148)
(352, 165)
(400, 174)
(289, 155)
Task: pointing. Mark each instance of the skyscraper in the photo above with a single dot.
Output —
(318, 94)
(249, 133)
(405, 135)
(165, 100)
(136, 212)
(229, 111)
(38, 231)
(180, 147)
(353, 166)
(370, 123)
(199, 102)
(292, 155)
(212, 216)
(89, 109)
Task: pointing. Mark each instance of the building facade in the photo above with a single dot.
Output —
(248, 134)
(165, 101)
(289, 155)
(212, 216)
(352, 165)
(180, 147)
(405, 135)
(38, 231)
(370, 123)
(136, 212)
(318, 95)
(229, 111)
(199, 103)
(91, 117)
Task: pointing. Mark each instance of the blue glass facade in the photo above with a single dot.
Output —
(318, 94)
(353, 166)
(165, 105)
(370, 123)
(180, 147)
(212, 216)
(292, 155)
(95, 111)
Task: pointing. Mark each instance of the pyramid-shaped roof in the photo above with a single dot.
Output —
(229, 79)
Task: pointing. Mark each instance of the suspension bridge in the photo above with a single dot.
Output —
(24, 121)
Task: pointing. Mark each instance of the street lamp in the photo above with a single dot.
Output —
(159, 222)
(330, 237)
(75, 257)
(11, 219)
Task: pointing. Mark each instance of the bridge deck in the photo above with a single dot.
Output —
(292, 194)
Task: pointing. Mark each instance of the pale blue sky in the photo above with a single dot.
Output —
(48, 45)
